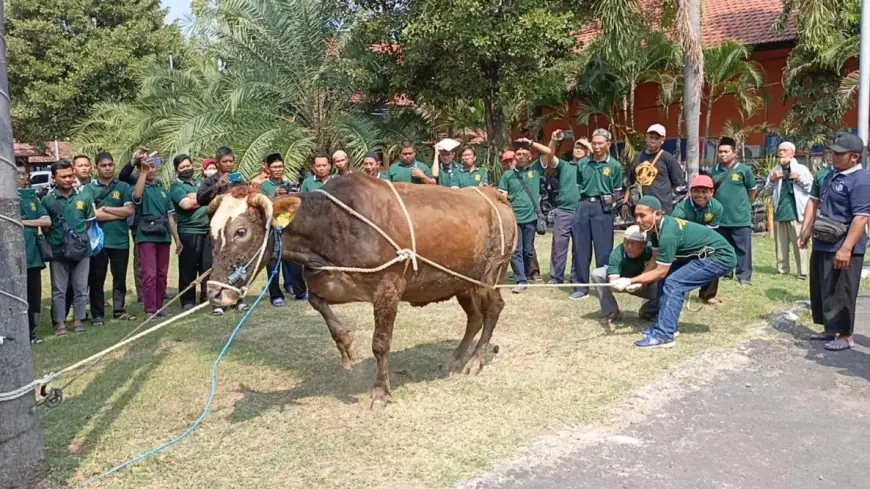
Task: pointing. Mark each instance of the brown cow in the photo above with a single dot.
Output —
(457, 229)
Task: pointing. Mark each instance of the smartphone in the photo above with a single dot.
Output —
(234, 177)
(154, 159)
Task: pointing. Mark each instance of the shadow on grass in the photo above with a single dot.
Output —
(783, 295)
(420, 363)
(93, 412)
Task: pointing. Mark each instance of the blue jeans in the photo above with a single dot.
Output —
(685, 278)
(293, 281)
(521, 261)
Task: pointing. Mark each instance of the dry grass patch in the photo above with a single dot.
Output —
(287, 415)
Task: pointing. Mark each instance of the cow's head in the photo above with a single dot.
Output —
(240, 221)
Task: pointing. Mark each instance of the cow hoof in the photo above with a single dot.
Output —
(347, 364)
(474, 366)
(454, 367)
(378, 405)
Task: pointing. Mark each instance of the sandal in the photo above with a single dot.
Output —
(714, 302)
(60, 331)
(823, 336)
(839, 344)
(125, 317)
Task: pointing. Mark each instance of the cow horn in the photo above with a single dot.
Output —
(214, 204)
(264, 203)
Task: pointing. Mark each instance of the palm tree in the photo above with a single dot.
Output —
(728, 71)
(273, 77)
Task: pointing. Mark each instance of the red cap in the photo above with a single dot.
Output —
(206, 162)
(703, 181)
(507, 155)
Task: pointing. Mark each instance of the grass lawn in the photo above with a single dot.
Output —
(287, 415)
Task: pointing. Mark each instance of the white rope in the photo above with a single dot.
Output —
(13, 221)
(497, 215)
(410, 227)
(259, 256)
(21, 391)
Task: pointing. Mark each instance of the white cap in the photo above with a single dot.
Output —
(658, 129)
(634, 233)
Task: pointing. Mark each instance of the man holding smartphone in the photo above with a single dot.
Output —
(223, 180)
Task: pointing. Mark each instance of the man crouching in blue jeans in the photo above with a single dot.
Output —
(709, 257)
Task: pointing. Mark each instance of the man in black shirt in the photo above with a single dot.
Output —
(655, 171)
(218, 183)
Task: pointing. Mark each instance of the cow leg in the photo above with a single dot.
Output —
(471, 305)
(342, 336)
(386, 305)
(491, 304)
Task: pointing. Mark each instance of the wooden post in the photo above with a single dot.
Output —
(22, 455)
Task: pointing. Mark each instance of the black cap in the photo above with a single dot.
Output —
(726, 141)
(846, 143)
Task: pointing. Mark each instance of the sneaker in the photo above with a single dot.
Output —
(801, 277)
(278, 302)
(578, 295)
(217, 311)
(653, 342)
(241, 307)
(520, 288)
(647, 332)
(35, 340)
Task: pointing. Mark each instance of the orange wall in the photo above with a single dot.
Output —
(648, 112)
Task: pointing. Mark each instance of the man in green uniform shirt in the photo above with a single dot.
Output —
(703, 209)
(33, 217)
(408, 169)
(600, 178)
(629, 259)
(522, 185)
(113, 200)
(735, 190)
(372, 166)
(320, 168)
(444, 169)
(675, 239)
(789, 185)
(192, 222)
(566, 206)
(470, 175)
(71, 213)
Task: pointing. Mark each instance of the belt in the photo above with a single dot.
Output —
(590, 199)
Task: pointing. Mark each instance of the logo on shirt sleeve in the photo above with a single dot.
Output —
(708, 217)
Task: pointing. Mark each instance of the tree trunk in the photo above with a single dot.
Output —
(496, 125)
(631, 96)
(22, 456)
(678, 153)
(689, 26)
(707, 116)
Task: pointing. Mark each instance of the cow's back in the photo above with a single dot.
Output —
(456, 228)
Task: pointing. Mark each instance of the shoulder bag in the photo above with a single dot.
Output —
(541, 227)
(74, 247)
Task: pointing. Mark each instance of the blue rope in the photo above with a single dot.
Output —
(156, 450)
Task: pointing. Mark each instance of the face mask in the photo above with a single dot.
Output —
(186, 174)
(210, 172)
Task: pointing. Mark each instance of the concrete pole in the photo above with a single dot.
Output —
(864, 76)
(22, 455)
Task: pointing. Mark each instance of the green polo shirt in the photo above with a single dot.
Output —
(732, 191)
(597, 178)
(188, 222)
(116, 232)
(710, 215)
(382, 175)
(77, 210)
(31, 209)
(678, 239)
(155, 202)
(786, 209)
(474, 178)
(313, 183)
(620, 264)
(270, 187)
(818, 178)
(449, 178)
(402, 173)
(569, 191)
(511, 183)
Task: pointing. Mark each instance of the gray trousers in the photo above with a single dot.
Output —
(563, 229)
(608, 302)
(62, 274)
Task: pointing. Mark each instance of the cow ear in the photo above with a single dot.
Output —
(284, 210)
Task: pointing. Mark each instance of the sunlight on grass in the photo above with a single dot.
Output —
(287, 415)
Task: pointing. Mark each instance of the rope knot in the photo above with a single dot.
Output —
(405, 254)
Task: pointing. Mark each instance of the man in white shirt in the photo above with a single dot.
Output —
(789, 185)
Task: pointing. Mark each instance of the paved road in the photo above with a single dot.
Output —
(794, 417)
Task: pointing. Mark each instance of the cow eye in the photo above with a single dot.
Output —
(241, 232)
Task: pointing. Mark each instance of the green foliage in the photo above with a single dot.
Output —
(67, 56)
(282, 84)
(728, 70)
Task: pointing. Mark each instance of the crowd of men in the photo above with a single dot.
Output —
(675, 246)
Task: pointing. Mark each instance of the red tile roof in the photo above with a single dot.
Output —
(35, 157)
(745, 21)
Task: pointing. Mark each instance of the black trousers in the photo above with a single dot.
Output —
(741, 240)
(116, 260)
(592, 227)
(34, 298)
(833, 293)
(293, 281)
(195, 259)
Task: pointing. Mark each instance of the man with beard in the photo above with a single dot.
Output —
(789, 185)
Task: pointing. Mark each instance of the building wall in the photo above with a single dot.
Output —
(648, 111)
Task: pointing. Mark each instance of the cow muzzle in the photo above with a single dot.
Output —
(222, 297)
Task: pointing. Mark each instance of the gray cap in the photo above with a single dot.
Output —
(603, 133)
(847, 143)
